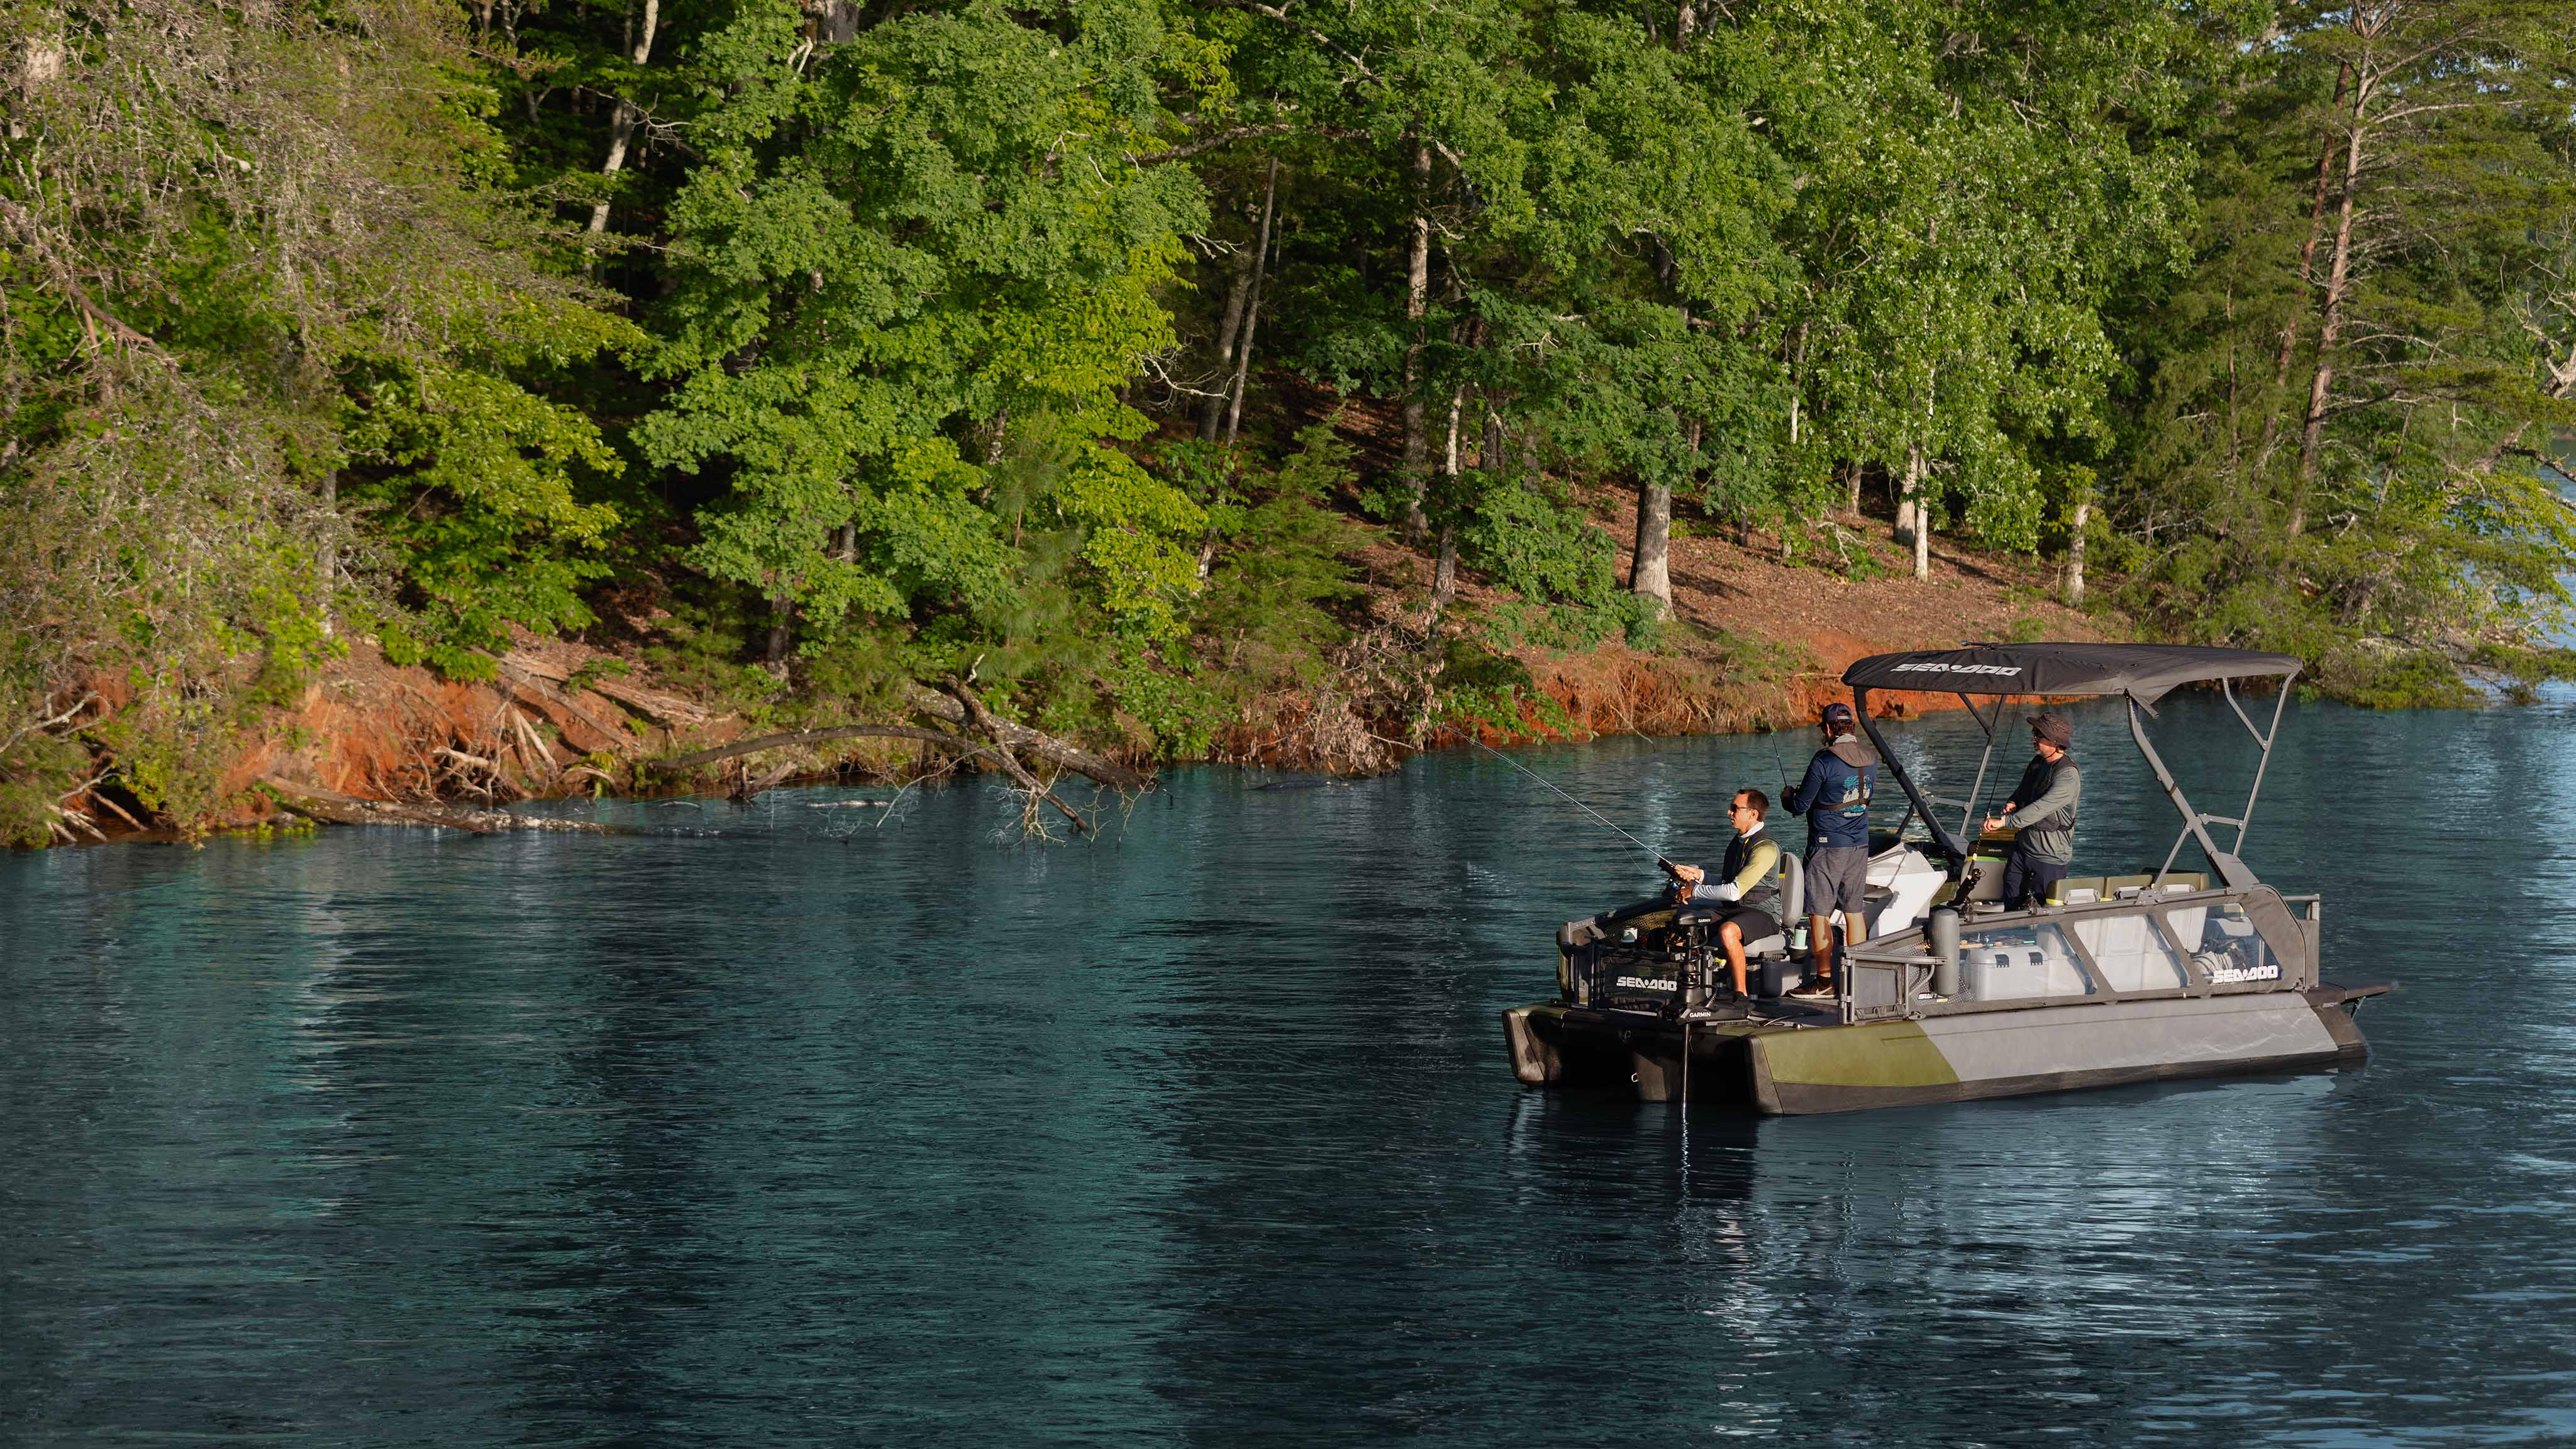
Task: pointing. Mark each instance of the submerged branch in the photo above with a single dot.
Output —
(696, 758)
(1024, 739)
(333, 808)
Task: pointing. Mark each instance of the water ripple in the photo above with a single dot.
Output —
(776, 1126)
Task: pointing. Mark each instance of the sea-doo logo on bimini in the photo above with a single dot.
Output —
(1645, 983)
(2268, 971)
(1925, 668)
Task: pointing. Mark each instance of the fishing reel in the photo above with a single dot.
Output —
(1682, 885)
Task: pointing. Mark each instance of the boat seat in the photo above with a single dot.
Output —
(1793, 900)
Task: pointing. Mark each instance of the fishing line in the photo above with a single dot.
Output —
(1577, 804)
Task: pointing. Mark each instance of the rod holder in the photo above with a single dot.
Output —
(1941, 930)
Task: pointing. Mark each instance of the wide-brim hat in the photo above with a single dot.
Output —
(2054, 728)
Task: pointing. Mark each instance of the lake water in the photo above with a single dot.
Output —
(786, 1127)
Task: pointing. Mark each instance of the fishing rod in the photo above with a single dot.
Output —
(1773, 743)
(1577, 804)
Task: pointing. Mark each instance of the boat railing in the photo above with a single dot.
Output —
(1884, 984)
(2143, 945)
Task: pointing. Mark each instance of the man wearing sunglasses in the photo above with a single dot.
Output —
(1749, 881)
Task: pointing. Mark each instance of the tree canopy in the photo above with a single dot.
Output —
(1069, 346)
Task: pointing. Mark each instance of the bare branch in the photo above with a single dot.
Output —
(696, 758)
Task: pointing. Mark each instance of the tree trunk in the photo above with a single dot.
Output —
(782, 613)
(1650, 573)
(836, 22)
(2075, 552)
(330, 559)
(1904, 509)
(997, 437)
(333, 808)
(1457, 403)
(1915, 478)
(621, 127)
(2307, 277)
(2330, 327)
(1020, 737)
(1914, 509)
(1212, 416)
(1852, 471)
(1252, 310)
(1417, 306)
(1444, 574)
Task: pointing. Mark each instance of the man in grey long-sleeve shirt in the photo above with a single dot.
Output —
(2042, 810)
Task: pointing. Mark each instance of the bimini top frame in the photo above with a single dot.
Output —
(2140, 673)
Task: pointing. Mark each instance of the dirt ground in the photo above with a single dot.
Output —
(548, 725)
(1971, 597)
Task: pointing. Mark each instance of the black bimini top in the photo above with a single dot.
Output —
(2144, 672)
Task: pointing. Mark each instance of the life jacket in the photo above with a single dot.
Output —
(1860, 757)
(1764, 896)
(1857, 786)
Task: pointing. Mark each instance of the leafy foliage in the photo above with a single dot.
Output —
(870, 340)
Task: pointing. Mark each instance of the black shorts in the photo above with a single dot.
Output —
(1755, 922)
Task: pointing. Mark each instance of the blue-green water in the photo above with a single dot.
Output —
(810, 1131)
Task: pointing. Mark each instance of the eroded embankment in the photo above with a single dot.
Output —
(1756, 642)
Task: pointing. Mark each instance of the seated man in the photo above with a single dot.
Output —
(1749, 881)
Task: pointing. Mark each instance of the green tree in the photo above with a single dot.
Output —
(297, 204)
(2336, 431)
(901, 252)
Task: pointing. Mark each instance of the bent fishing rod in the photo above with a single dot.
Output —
(1579, 805)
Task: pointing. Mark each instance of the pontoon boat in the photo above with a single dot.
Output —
(1952, 995)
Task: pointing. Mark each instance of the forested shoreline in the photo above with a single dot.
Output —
(1050, 364)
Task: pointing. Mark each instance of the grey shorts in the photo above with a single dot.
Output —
(1837, 880)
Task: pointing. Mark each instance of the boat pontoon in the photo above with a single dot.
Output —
(1953, 995)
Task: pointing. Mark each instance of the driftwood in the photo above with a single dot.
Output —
(667, 710)
(984, 720)
(331, 807)
(1024, 739)
(953, 709)
(537, 691)
(696, 758)
(958, 707)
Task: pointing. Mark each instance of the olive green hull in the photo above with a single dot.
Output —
(1795, 1070)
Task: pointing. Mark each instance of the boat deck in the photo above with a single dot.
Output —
(1787, 1011)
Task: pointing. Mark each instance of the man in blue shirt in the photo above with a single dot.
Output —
(1835, 799)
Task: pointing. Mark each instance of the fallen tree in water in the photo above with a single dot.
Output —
(1003, 742)
(333, 808)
